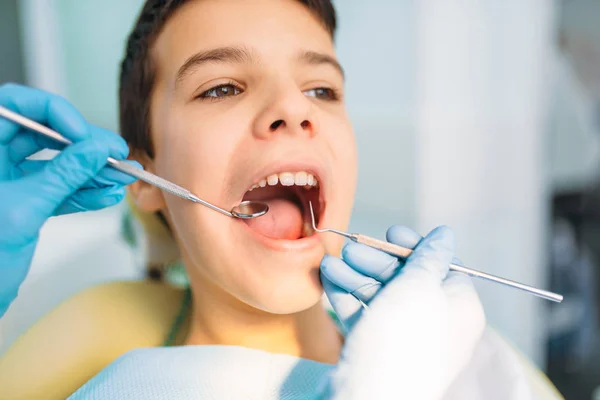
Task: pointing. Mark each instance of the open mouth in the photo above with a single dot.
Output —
(288, 195)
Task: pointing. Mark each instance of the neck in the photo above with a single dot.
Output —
(222, 319)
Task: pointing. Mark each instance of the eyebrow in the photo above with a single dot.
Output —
(236, 55)
(314, 58)
(239, 55)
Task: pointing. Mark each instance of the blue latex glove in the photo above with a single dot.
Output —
(422, 325)
(33, 191)
(362, 272)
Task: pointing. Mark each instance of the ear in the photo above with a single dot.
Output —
(147, 197)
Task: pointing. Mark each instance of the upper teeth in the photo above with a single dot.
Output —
(301, 178)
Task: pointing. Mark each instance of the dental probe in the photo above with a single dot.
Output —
(244, 210)
(403, 252)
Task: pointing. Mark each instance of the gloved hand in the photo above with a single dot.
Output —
(422, 324)
(33, 191)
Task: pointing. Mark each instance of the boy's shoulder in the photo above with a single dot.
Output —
(85, 333)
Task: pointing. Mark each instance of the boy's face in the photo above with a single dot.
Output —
(245, 91)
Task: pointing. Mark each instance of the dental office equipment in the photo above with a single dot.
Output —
(403, 253)
(244, 210)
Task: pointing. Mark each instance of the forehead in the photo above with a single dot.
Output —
(271, 28)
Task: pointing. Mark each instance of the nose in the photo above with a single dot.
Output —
(288, 111)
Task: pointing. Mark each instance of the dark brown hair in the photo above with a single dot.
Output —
(137, 70)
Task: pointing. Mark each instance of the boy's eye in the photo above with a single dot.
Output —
(322, 93)
(220, 91)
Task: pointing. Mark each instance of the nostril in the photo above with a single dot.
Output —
(276, 124)
(305, 124)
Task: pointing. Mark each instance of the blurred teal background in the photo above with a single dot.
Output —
(480, 115)
(92, 34)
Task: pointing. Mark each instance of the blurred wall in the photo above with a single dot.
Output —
(93, 36)
(375, 44)
(573, 131)
(11, 67)
(484, 77)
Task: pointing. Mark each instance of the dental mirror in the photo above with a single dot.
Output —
(250, 209)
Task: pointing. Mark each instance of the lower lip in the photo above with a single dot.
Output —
(303, 244)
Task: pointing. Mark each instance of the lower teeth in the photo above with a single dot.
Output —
(307, 229)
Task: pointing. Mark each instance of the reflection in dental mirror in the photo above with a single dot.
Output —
(250, 209)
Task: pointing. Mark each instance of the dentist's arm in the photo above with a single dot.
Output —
(422, 325)
(33, 191)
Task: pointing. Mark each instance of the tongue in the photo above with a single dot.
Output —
(283, 221)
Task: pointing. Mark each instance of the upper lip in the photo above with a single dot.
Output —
(312, 167)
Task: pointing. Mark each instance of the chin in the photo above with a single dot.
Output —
(293, 294)
(282, 284)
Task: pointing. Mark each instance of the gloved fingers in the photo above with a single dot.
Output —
(45, 108)
(371, 262)
(464, 300)
(107, 177)
(466, 317)
(11, 279)
(91, 200)
(433, 254)
(14, 265)
(117, 146)
(78, 163)
(347, 308)
(68, 172)
(406, 237)
(352, 281)
(457, 284)
(403, 236)
(28, 143)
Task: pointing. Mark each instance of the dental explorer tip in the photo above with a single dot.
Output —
(312, 216)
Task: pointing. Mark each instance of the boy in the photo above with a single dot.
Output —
(244, 100)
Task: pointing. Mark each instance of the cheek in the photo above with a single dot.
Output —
(346, 164)
(343, 146)
(341, 198)
(196, 150)
(193, 151)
